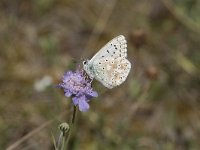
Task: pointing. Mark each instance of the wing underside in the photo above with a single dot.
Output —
(117, 47)
(112, 72)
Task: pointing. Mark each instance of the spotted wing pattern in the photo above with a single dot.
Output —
(111, 72)
(109, 65)
(117, 47)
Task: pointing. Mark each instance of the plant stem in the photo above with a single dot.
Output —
(63, 142)
(59, 140)
(71, 125)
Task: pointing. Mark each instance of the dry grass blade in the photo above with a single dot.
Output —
(186, 21)
(30, 134)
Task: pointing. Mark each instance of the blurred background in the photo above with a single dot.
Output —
(158, 106)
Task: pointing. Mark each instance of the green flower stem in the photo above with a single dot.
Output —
(63, 142)
(71, 125)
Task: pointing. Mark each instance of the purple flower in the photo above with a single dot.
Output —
(76, 85)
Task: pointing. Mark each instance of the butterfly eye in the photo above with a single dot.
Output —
(84, 62)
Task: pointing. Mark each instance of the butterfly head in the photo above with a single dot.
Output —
(85, 65)
(88, 68)
(85, 62)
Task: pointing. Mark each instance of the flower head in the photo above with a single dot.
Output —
(77, 86)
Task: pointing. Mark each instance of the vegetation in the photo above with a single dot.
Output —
(156, 108)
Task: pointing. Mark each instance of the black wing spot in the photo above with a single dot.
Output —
(102, 56)
(108, 51)
(106, 59)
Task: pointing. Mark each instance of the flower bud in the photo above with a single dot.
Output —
(64, 127)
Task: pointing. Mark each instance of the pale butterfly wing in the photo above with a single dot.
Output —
(111, 72)
(117, 47)
(109, 65)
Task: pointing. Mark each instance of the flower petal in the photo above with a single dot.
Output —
(67, 93)
(82, 104)
(68, 73)
(91, 93)
(75, 100)
(94, 94)
(78, 86)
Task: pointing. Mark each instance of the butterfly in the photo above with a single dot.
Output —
(109, 65)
